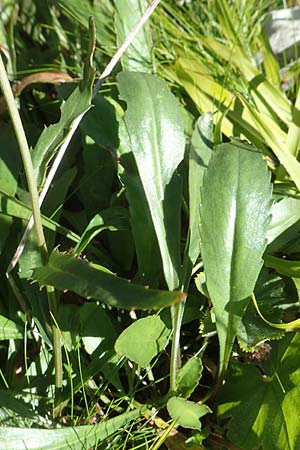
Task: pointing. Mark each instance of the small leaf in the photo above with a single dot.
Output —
(65, 272)
(186, 413)
(189, 376)
(143, 340)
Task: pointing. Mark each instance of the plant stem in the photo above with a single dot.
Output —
(32, 187)
(177, 314)
(25, 154)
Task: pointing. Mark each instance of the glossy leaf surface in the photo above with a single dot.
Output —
(235, 205)
(155, 127)
(65, 272)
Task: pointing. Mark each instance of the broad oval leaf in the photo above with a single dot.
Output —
(235, 210)
(65, 272)
(186, 413)
(143, 340)
(156, 134)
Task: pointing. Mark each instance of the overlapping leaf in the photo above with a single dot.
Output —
(155, 127)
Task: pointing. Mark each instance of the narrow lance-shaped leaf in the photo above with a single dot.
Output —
(148, 256)
(155, 127)
(75, 438)
(64, 272)
(235, 205)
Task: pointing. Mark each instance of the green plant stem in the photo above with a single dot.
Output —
(25, 154)
(28, 167)
(177, 314)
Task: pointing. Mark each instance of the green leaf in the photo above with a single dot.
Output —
(138, 55)
(14, 208)
(10, 162)
(155, 126)
(235, 206)
(272, 98)
(147, 250)
(75, 438)
(101, 12)
(77, 104)
(100, 123)
(111, 219)
(211, 96)
(265, 413)
(98, 176)
(9, 329)
(273, 295)
(65, 272)
(186, 413)
(15, 411)
(284, 214)
(143, 340)
(97, 331)
(200, 154)
(283, 266)
(189, 376)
